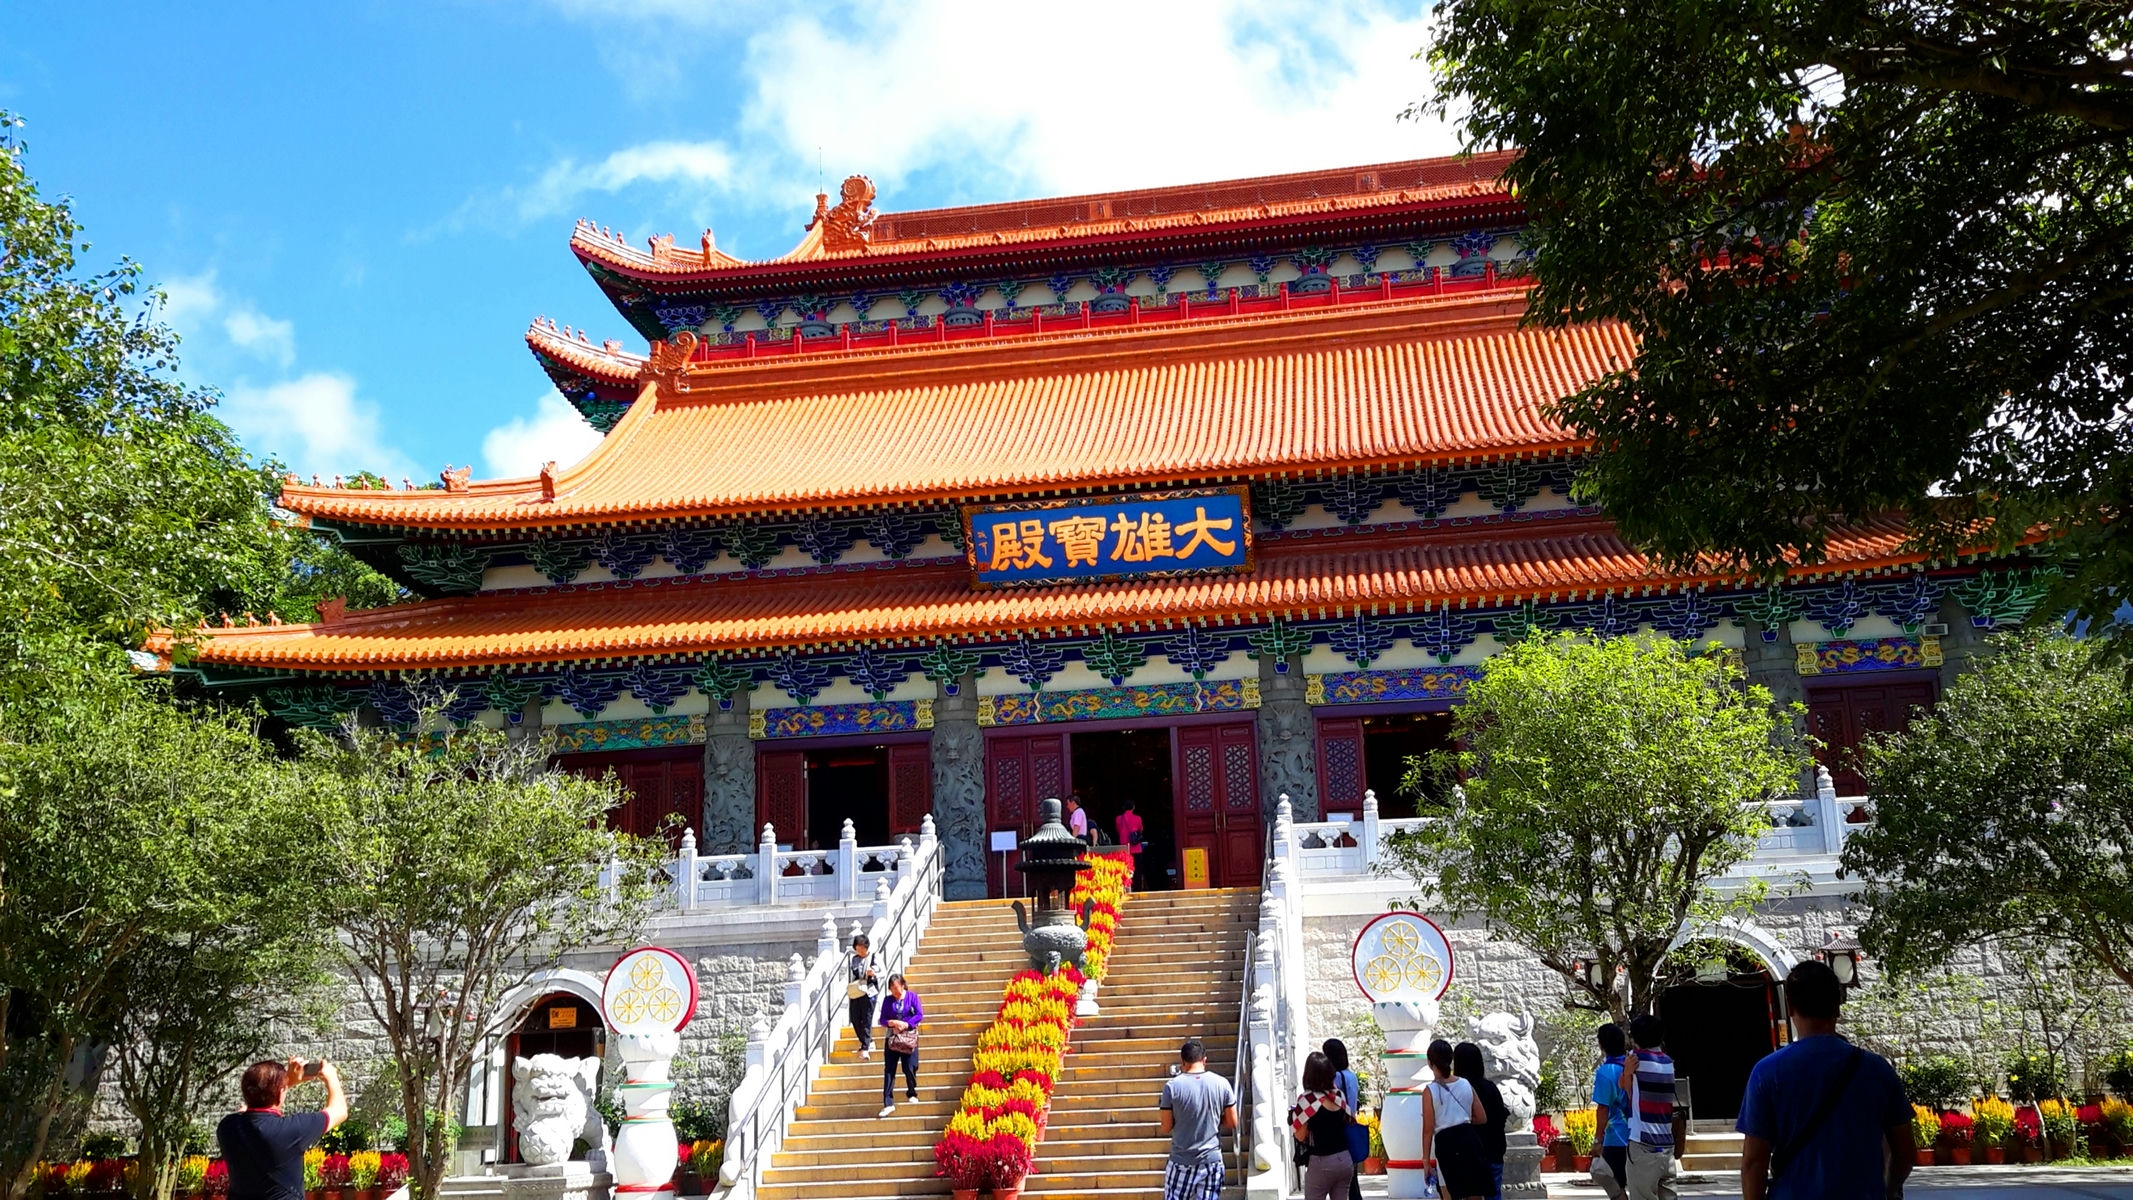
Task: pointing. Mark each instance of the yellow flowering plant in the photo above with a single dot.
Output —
(1582, 1127)
(192, 1173)
(1925, 1125)
(1992, 1120)
(363, 1169)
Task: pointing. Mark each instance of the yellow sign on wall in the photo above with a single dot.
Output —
(1195, 867)
(562, 1018)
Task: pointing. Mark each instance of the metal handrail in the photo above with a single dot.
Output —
(1243, 1076)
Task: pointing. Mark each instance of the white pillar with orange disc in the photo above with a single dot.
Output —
(1403, 964)
(649, 998)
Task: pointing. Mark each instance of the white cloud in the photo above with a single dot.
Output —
(262, 336)
(700, 166)
(554, 432)
(190, 299)
(1253, 87)
(314, 423)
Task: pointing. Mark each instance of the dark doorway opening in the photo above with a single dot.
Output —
(558, 1023)
(1115, 767)
(1389, 742)
(848, 785)
(1716, 1032)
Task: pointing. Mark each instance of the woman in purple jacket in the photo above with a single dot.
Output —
(901, 1015)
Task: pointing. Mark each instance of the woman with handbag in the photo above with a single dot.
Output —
(1351, 1090)
(1451, 1130)
(1319, 1122)
(901, 1015)
(861, 986)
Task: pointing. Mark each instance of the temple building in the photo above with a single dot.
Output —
(1187, 499)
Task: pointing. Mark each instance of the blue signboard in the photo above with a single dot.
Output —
(1111, 537)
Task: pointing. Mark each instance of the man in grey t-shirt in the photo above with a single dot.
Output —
(1197, 1108)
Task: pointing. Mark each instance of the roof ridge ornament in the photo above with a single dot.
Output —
(849, 225)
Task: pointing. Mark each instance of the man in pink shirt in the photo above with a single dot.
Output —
(1131, 834)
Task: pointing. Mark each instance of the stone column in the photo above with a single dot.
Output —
(1287, 742)
(729, 779)
(958, 750)
(1962, 646)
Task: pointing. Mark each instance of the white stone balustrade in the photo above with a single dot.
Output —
(771, 876)
(1808, 827)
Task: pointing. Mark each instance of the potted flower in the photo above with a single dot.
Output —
(217, 1180)
(1925, 1131)
(192, 1175)
(1581, 1126)
(1992, 1124)
(2089, 1118)
(1562, 1147)
(2030, 1132)
(1008, 1163)
(392, 1173)
(363, 1174)
(706, 1156)
(1374, 1162)
(2061, 1126)
(1955, 1134)
(333, 1175)
(960, 1159)
(2118, 1124)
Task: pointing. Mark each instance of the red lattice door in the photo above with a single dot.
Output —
(1842, 715)
(1217, 793)
(656, 785)
(781, 795)
(1020, 773)
(910, 787)
(1340, 766)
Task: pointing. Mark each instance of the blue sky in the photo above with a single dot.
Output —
(358, 207)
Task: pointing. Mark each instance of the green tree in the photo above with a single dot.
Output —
(124, 504)
(1876, 257)
(1608, 784)
(2006, 812)
(457, 866)
(132, 827)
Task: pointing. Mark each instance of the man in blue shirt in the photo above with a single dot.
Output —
(1819, 1113)
(1611, 1170)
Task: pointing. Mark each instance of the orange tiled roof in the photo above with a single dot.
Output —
(1088, 218)
(1297, 578)
(1380, 385)
(606, 363)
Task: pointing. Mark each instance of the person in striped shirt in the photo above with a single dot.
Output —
(1656, 1127)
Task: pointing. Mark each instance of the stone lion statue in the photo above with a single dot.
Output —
(1513, 1059)
(552, 1106)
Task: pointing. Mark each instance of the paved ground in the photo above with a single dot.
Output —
(1956, 1183)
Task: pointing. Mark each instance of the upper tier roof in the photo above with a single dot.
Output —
(1391, 384)
(1297, 577)
(1202, 210)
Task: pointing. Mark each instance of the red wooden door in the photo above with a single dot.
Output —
(1841, 715)
(1020, 773)
(910, 787)
(1217, 787)
(1340, 766)
(656, 784)
(781, 795)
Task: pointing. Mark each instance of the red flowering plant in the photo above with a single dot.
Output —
(51, 1182)
(106, 1175)
(217, 1180)
(2028, 1124)
(333, 1172)
(2090, 1117)
(1544, 1131)
(392, 1171)
(1955, 1128)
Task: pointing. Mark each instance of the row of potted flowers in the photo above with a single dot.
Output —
(1995, 1131)
(365, 1175)
(991, 1141)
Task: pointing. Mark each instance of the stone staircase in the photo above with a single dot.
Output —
(1713, 1149)
(1175, 974)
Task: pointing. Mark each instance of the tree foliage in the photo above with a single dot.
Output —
(1876, 254)
(133, 831)
(2005, 812)
(124, 504)
(1608, 784)
(457, 867)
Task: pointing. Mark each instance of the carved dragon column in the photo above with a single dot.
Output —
(729, 779)
(959, 789)
(1286, 742)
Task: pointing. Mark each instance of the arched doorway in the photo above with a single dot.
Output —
(1723, 1012)
(559, 1022)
